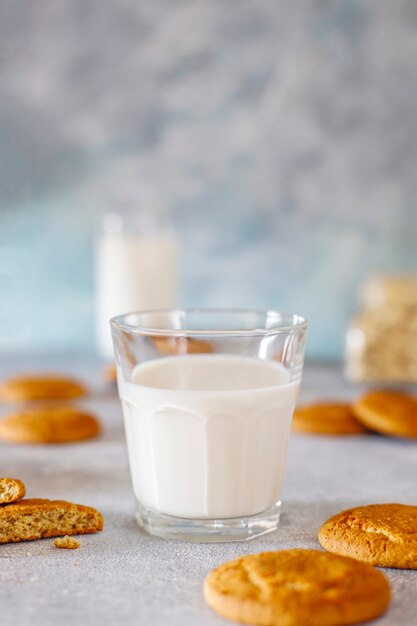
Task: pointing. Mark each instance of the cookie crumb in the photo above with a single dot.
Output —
(70, 543)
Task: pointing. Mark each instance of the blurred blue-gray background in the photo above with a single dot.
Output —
(283, 135)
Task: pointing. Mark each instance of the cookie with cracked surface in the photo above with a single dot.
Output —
(11, 489)
(294, 587)
(36, 518)
(49, 424)
(326, 418)
(381, 534)
(42, 387)
(388, 412)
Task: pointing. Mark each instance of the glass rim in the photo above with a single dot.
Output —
(290, 322)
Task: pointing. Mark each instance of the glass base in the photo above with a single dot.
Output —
(208, 530)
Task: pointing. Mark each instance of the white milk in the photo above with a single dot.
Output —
(207, 435)
(133, 273)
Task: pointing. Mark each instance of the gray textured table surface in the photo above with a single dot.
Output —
(123, 576)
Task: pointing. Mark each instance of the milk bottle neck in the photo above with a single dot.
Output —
(137, 214)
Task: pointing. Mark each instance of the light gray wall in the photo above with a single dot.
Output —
(282, 134)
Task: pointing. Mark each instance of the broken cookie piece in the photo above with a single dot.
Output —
(11, 489)
(37, 518)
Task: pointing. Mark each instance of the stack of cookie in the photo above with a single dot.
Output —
(35, 518)
(387, 412)
(45, 414)
(381, 344)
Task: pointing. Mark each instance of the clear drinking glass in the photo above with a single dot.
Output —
(208, 397)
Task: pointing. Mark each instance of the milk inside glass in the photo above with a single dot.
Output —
(207, 434)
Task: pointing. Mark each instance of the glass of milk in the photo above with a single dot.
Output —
(208, 397)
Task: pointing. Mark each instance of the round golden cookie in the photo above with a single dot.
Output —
(181, 345)
(297, 587)
(27, 388)
(110, 373)
(326, 418)
(388, 412)
(381, 534)
(49, 424)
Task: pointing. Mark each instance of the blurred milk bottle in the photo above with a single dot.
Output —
(136, 261)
